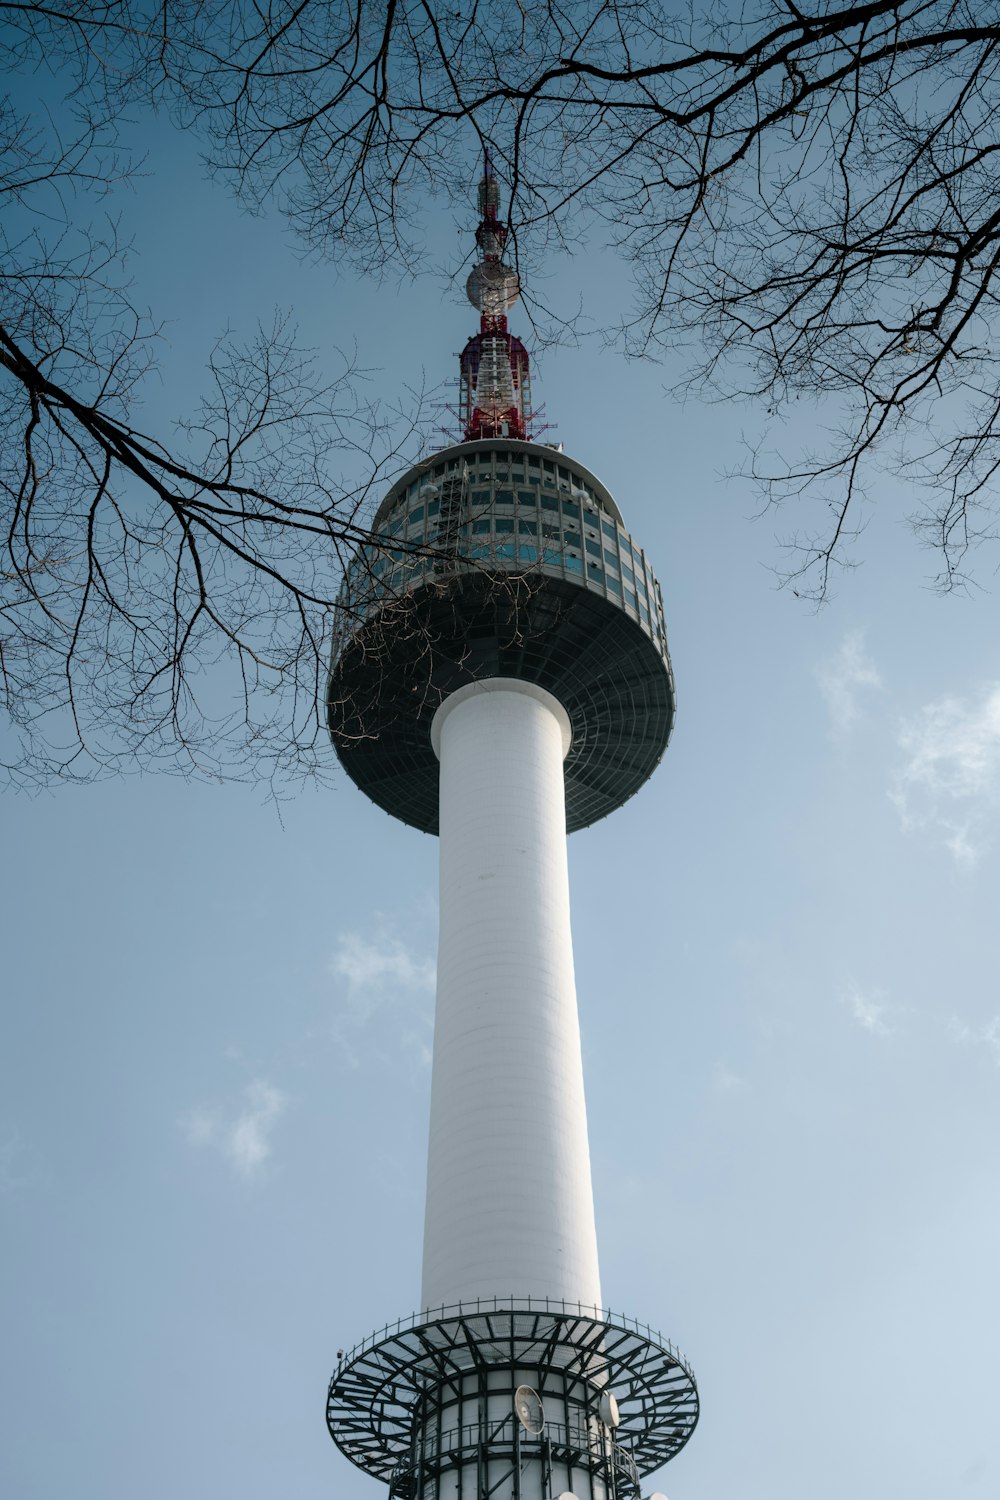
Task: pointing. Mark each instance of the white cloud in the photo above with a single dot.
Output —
(949, 781)
(869, 1009)
(242, 1136)
(385, 978)
(842, 677)
(987, 1036)
(372, 967)
(725, 1081)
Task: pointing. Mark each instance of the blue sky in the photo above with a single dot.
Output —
(217, 1020)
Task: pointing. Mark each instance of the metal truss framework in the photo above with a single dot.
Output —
(384, 1394)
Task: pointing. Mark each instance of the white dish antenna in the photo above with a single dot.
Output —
(528, 1406)
(610, 1415)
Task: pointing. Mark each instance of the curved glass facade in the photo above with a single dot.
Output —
(517, 508)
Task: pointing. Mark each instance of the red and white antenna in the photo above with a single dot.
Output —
(495, 378)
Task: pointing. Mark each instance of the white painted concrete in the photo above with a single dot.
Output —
(509, 1199)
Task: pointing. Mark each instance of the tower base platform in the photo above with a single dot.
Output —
(512, 1398)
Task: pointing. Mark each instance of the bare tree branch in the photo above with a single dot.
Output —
(806, 195)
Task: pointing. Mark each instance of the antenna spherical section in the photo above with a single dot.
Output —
(492, 287)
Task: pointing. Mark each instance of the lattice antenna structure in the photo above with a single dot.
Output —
(495, 382)
(500, 677)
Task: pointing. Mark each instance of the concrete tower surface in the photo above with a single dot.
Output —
(500, 676)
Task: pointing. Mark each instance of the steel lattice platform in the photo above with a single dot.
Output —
(379, 1387)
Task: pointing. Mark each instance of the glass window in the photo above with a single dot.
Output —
(552, 531)
(612, 559)
(549, 502)
(570, 508)
(482, 525)
(628, 572)
(507, 550)
(609, 529)
(416, 515)
(527, 552)
(613, 583)
(504, 497)
(504, 523)
(631, 599)
(594, 547)
(573, 564)
(526, 527)
(527, 497)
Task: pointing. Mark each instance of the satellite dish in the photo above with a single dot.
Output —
(567, 1495)
(528, 1406)
(656, 1496)
(610, 1415)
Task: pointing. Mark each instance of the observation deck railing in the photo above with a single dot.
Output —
(514, 1304)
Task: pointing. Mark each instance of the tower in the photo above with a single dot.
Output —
(500, 677)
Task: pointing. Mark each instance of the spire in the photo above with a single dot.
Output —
(495, 379)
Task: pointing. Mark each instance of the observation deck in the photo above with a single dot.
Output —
(499, 558)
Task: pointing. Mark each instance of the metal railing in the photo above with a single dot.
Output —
(484, 1305)
(587, 1448)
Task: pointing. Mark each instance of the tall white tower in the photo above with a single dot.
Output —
(500, 676)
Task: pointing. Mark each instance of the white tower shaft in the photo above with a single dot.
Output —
(509, 1199)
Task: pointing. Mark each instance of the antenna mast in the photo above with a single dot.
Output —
(495, 377)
